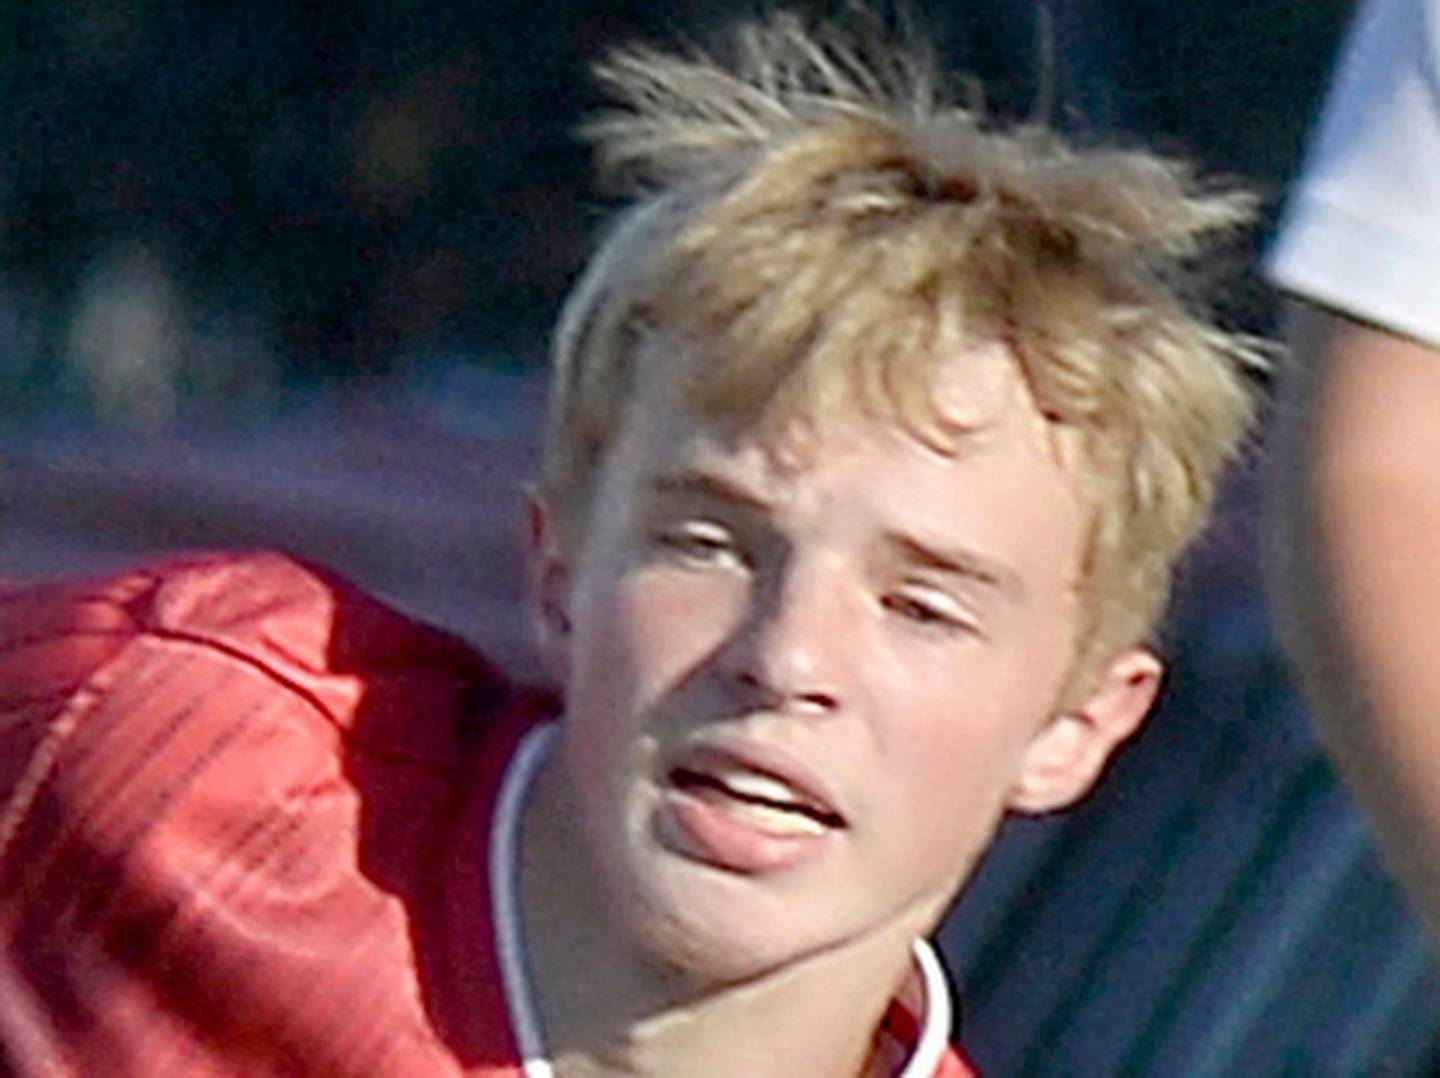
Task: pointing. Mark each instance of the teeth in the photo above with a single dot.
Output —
(762, 801)
(776, 821)
(749, 784)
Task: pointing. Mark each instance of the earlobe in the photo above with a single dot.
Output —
(549, 586)
(1066, 757)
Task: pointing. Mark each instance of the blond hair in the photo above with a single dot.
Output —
(817, 227)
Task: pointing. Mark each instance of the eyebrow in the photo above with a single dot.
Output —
(960, 562)
(709, 485)
(956, 561)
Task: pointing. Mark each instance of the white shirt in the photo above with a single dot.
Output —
(1361, 232)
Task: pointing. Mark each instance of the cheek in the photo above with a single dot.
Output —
(964, 741)
(649, 630)
(959, 755)
(956, 775)
(681, 617)
(637, 641)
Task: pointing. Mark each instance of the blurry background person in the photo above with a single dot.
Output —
(1357, 476)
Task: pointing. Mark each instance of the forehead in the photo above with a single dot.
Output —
(974, 403)
(1003, 484)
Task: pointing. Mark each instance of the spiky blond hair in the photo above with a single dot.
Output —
(818, 227)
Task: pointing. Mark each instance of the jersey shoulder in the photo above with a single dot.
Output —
(301, 626)
(242, 765)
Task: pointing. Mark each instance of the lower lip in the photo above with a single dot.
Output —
(702, 829)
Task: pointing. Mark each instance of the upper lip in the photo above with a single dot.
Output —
(810, 789)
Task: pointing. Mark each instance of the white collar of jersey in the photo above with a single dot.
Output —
(927, 981)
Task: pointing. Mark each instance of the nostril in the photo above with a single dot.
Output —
(817, 701)
(812, 702)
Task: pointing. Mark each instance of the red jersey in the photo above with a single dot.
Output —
(254, 822)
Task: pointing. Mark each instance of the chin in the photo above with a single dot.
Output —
(710, 929)
(708, 954)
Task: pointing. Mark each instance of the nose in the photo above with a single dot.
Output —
(787, 652)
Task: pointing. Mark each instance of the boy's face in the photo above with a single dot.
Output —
(802, 690)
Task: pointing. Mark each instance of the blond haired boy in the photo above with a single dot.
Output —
(874, 436)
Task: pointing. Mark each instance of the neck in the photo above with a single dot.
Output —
(607, 1008)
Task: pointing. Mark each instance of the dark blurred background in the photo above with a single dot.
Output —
(283, 273)
(282, 193)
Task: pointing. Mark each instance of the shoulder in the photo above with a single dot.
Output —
(263, 601)
(241, 764)
(287, 620)
(246, 664)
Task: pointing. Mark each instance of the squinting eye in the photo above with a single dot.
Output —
(700, 542)
(927, 613)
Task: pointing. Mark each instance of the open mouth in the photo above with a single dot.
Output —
(770, 803)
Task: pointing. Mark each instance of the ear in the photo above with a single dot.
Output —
(1065, 758)
(549, 586)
